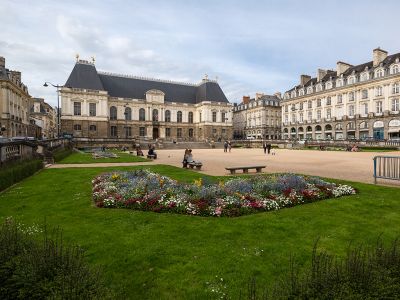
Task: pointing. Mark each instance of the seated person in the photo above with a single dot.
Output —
(139, 152)
(152, 152)
(189, 158)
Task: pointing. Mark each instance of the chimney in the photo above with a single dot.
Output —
(246, 99)
(378, 56)
(321, 73)
(304, 79)
(2, 62)
(342, 67)
(16, 75)
(259, 95)
(279, 95)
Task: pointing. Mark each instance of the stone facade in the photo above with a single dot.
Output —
(15, 103)
(98, 113)
(45, 117)
(257, 118)
(353, 102)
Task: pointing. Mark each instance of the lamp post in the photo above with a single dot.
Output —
(46, 84)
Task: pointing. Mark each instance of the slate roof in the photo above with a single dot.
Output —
(356, 69)
(85, 76)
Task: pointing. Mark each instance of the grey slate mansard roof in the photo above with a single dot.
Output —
(356, 69)
(85, 76)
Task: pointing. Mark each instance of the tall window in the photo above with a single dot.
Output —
(128, 131)
(155, 115)
(199, 116)
(328, 113)
(167, 132)
(318, 102)
(214, 116)
(142, 114)
(77, 127)
(318, 115)
(364, 94)
(301, 106)
(365, 108)
(396, 88)
(351, 96)
(77, 108)
(301, 117)
(310, 104)
(351, 110)
(190, 132)
(395, 105)
(309, 115)
(92, 109)
(286, 108)
(179, 117)
(92, 128)
(114, 131)
(379, 107)
(378, 91)
(190, 118)
(179, 132)
(328, 101)
(223, 119)
(293, 118)
(339, 99)
(128, 113)
(142, 131)
(113, 113)
(167, 116)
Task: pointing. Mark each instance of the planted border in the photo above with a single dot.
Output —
(148, 191)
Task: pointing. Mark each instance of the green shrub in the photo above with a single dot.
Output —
(34, 267)
(61, 154)
(15, 172)
(364, 273)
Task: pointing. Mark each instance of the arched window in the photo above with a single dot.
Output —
(179, 117)
(128, 113)
(309, 128)
(396, 88)
(395, 69)
(190, 118)
(328, 127)
(113, 113)
(379, 73)
(338, 127)
(142, 114)
(318, 128)
(167, 116)
(155, 115)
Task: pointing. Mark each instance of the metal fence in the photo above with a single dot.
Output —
(387, 167)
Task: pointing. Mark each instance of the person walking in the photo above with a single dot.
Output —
(269, 148)
(226, 146)
(229, 146)
(265, 147)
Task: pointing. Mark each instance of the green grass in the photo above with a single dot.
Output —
(86, 158)
(147, 255)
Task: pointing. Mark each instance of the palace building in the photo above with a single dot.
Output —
(257, 118)
(105, 105)
(352, 102)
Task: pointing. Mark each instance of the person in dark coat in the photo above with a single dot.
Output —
(269, 148)
(265, 147)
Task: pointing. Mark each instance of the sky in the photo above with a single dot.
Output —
(250, 46)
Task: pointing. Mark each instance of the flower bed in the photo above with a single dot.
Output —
(144, 190)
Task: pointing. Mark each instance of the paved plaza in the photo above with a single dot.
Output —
(354, 166)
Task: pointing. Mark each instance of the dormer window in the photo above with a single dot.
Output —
(364, 76)
(301, 92)
(328, 85)
(379, 73)
(351, 80)
(293, 94)
(318, 88)
(394, 69)
(339, 82)
(309, 90)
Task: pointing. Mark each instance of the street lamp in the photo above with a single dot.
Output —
(58, 87)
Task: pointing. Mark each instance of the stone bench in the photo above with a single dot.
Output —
(151, 156)
(197, 165)
(245, 169)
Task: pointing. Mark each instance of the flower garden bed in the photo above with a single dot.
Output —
(144, 190)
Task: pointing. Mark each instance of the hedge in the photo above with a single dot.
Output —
(16, 172)
(61, 154)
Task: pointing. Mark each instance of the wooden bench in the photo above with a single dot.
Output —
(198, 165)
(245, 169)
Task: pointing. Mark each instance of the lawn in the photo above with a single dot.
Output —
(146, 255)
(86, 158)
